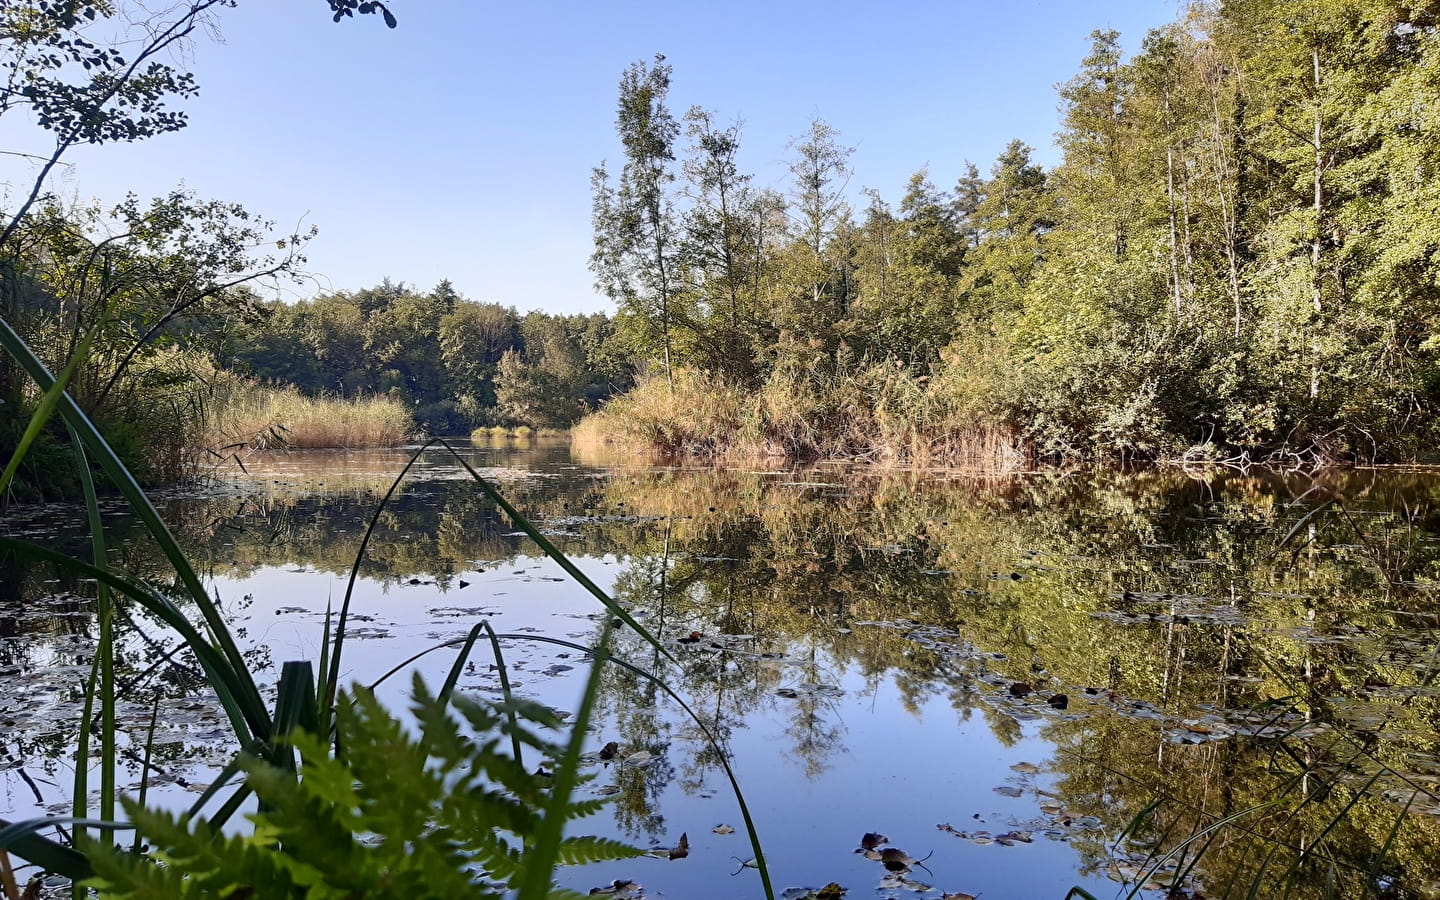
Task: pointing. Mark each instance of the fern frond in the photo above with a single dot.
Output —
(447, 814)
(588, 849)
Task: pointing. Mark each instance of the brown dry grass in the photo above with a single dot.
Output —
(881, 414)
(245, 414)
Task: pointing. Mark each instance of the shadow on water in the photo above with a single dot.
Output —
(1002, 673)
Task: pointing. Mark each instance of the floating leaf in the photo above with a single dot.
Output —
(723, 829)
(621, 888)
(1009, 791)
(871, 840)
(682, 849)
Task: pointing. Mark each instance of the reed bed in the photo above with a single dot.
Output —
(260, 417)
(881, 414)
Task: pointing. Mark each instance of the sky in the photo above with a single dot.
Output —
(460, 144)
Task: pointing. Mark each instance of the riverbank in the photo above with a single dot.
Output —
(879, 415)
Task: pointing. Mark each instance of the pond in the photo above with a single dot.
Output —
(1024, 684)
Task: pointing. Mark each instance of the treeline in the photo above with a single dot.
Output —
(1236, 256)
(456, 363)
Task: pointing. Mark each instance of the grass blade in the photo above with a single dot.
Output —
(254, 721)
(105, 649)
(24, 840)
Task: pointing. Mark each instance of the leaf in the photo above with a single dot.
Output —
(870, 840)
(682, 849)
(723, 829)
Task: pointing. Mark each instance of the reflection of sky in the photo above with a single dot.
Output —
(889, 753)
(894, 773)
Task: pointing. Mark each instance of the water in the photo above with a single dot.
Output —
(998, 675)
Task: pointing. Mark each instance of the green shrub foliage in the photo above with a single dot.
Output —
(447, 812)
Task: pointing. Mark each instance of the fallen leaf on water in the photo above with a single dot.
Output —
(871, 840)
(1008, 791)
(681, 849)
(895, 859)
(959, 895)
(1020, 689)
(610, 751)
(639, 758)
(723, 829)
(1025, 768)
(618, 888)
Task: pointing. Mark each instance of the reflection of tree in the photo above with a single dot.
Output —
(1014, 573)
(1150, 587)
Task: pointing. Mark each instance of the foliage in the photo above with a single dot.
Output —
(1234, 258)
(444, 357)
(447, 813)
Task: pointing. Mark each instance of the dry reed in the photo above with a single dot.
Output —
(246, 414)
(881, 414)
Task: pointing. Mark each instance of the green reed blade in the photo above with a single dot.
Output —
(332, 678)
(457, 667)
(556, 554)
(228, 686)
(44, 410)
(542, 854)
(80, 799)
(105, 648)
(323, 668)
(294, 707)
(505, 690)
(247, 698)
(24, 840)
(145, 765)
(1374, 872)
(710, 739)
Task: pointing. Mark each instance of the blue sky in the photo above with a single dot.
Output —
(460, 144)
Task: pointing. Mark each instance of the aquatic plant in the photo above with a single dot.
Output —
(315, 717)
(449, 813)
(240, 413)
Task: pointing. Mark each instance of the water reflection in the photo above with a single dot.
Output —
(1030, 662)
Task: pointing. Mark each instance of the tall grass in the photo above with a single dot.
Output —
(243, 413)
(881, 414)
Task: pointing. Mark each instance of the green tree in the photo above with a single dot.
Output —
(637, 239)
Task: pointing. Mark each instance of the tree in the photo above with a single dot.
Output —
(636, 233)
(719, 248)
(817, 266)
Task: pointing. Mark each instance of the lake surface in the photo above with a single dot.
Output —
(1031, 683)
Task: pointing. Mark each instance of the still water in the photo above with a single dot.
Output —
(1025, 684)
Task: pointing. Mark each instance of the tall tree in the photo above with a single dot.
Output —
(718, 246)
(636, 233)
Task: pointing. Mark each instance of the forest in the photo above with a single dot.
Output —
(1235, 258)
